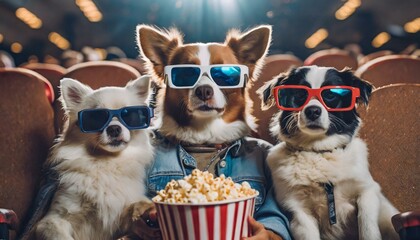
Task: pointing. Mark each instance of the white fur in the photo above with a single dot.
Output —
(316, 76)
(298, 178)
(323, 121)
(302, 163)
(97, 184)
(203, 54)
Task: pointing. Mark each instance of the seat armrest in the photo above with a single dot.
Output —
(407, 225)
(9, 218)
(8, 221)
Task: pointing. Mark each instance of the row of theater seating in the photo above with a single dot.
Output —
(32, 118)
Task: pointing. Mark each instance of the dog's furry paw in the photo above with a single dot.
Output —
(139, 208)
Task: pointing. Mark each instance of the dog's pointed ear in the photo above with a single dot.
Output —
(266, 93)
(250, 47)
(73, 92)
(156, 45)
(364, 87)
(140, 86)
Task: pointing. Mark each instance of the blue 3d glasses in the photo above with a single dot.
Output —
(186, 76)
(96, 120)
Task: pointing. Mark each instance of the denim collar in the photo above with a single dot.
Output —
(233, 150)
(188, 160)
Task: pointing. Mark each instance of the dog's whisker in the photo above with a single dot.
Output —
(337, 121)
(291, 123)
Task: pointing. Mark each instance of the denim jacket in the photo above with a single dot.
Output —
(244, 160)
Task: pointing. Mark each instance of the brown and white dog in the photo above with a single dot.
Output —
(320, 169)
(204, 114)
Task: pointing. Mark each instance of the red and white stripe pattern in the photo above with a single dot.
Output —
(225, 221)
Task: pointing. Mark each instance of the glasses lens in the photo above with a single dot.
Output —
(185, 76)
(292, 97)
(136, 117)
(94, 120)
(337, 97)
(226, 76)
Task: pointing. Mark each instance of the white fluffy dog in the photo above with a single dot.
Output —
(101, 169)
(320, 169)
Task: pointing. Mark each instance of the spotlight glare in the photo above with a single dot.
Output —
(90, 10)
(28, 18)
(347, 9)
(381, 39)
(59, 40)
(316, 38)
(16, 47)
(412, 26)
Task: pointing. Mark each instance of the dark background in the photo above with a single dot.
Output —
(293, 22)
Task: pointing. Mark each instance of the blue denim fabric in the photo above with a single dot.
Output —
(245, 160)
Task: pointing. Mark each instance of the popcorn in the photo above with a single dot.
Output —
(202, 187)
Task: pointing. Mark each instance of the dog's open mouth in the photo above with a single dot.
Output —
(206, 108)
(116, 143)
(314, 127)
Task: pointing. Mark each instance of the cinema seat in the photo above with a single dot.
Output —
(52, 72)
(374, 55)
(138, 64)
(391, 69)
(274, 65)
(102, 73)
(96, 74)
(391, 129)
(26, 134)
(336, 58)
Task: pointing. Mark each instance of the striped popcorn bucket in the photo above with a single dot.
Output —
(226, 220)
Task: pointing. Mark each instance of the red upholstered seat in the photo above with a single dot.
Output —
(391, 69)
(26, 134)
(336, 58)
(52, 72)
(391, 129)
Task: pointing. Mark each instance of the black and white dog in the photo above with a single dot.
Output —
(320, 168)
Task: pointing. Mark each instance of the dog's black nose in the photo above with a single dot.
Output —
(114, 130)
(204, 92)
(313, 112)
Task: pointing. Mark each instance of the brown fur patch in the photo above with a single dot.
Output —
(156, 45)
(235, 107)
(247, 48)
(175, 102)
(221, 54)
(184, 55)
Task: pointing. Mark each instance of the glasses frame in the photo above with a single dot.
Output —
(206, 69)
(112, 114)
(316, 92)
